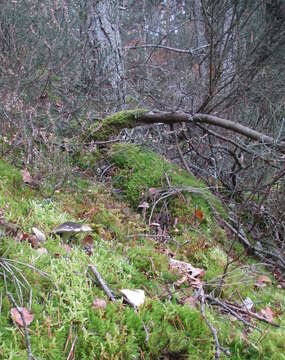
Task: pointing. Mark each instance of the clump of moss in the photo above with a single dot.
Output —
(108, 225)
(113, 124)
(140, 169)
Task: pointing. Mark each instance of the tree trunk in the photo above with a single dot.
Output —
(105, 42)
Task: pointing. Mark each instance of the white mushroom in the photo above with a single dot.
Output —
(69, 228)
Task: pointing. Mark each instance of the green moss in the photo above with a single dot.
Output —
(140, 170)
(11, 174)
(112, 125)
(106, 223)
(86, 159)
(63, 301)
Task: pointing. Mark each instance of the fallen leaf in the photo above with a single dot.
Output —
(16, 316)
(267, 313)
(99, 304)
(33, 241)
(22, 236)
(184, 267)
(26, 176)
(199, 215)
(88, 240)
(262, 280)
(135, 297)
(193, 274)
(40, 235)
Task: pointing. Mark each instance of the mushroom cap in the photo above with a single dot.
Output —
(71, 227)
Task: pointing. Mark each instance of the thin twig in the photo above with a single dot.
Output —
(201, 296)
(184, 162)
(69, 337)
(155, 46)
(252, 314)
(146, 332)
(102, 282)
(231, 311)
(72, 348)
(257, 251)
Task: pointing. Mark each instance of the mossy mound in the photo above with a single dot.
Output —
(140, 170)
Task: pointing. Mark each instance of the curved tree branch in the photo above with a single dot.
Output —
(113, 124)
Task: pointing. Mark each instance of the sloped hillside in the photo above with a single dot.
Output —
(154, 228)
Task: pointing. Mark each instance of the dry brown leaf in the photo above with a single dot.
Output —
(184, 267)
(88, 240)
(16, 316)
(199, 215)
(21, 236)
(34, 241)
(192, 274)
(26, 176)
(262, 281)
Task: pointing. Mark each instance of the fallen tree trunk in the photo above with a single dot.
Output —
(112, 125)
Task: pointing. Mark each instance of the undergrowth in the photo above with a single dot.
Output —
(126, 258)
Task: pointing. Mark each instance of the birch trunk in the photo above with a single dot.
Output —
(105, 41)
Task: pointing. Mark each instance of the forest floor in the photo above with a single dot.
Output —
(145, 215)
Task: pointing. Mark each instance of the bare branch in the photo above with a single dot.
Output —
(110, 126)
(168, 48)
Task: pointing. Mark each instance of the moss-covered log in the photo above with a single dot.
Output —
(112, 125)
